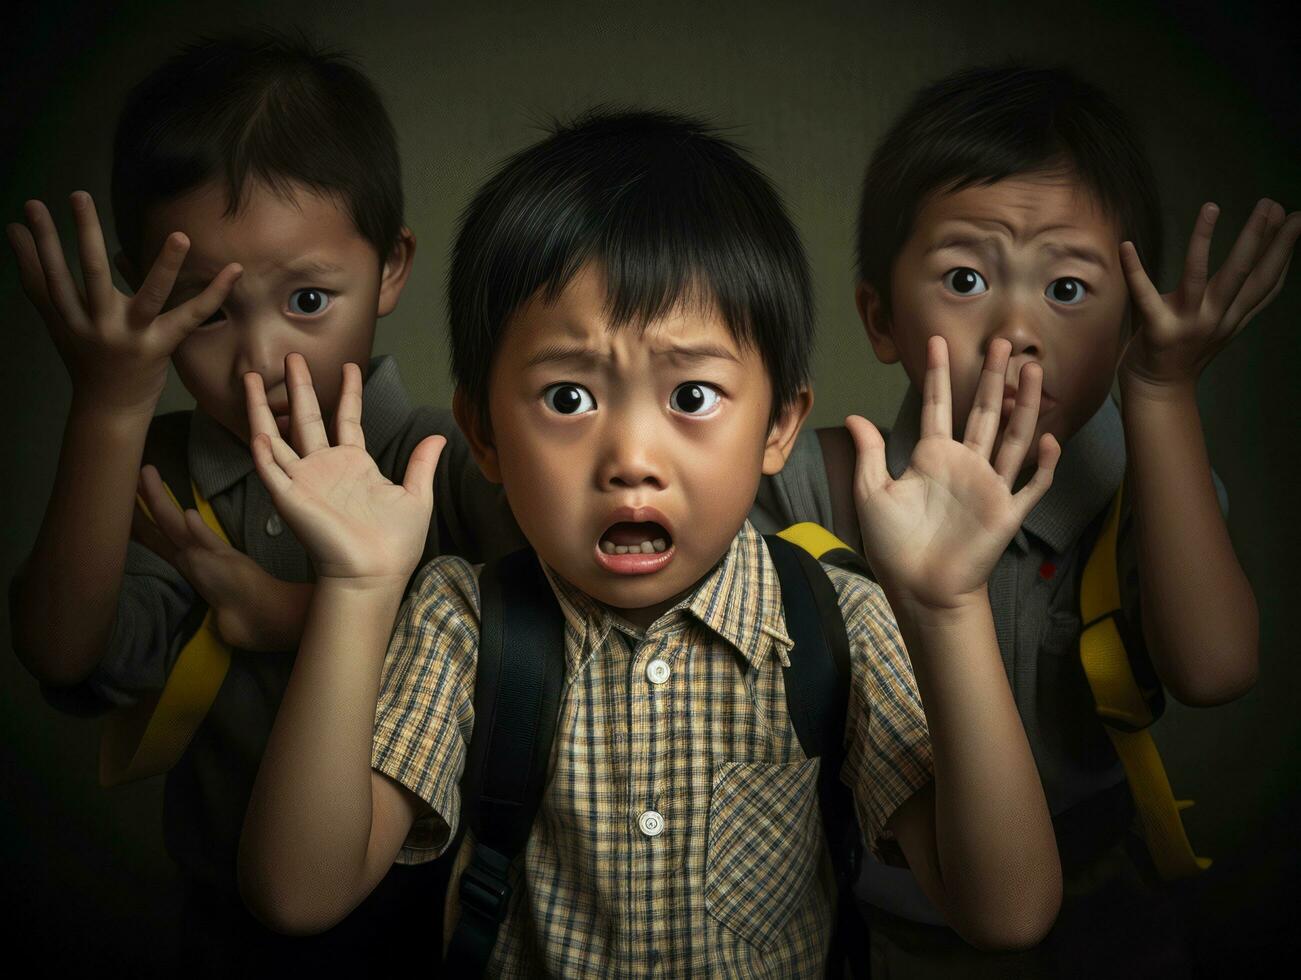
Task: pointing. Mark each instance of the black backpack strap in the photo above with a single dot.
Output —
(817, 696)
(516, 703)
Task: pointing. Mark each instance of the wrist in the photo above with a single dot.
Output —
(1138, 389)
(932, 612)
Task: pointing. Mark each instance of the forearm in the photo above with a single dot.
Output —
(79, 557)
(303, 855)
(1199, 614)
(996, 867)
(269, 617)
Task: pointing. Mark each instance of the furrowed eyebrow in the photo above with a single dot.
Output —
(309, 267)
(565, 353)
(695, 352)
(962, 241)
(1080, 252)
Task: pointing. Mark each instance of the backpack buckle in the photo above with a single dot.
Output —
(485, 887)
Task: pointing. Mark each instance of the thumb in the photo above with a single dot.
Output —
(421, 467)
(870, 471)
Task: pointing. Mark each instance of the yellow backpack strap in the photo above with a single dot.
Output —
(824, 546)
(1126, 713)
(149, 737)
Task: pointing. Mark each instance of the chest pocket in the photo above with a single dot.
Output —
(765, 842)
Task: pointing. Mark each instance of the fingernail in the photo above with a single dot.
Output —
(1212, 209)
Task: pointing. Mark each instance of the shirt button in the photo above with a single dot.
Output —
(650, 823)
(274, 525)
(657, 671)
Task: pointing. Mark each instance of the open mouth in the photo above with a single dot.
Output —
(635, 547)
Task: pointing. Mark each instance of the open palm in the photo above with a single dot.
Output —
(934, 534)
(354, 523)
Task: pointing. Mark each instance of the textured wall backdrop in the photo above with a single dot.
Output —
(808, 87)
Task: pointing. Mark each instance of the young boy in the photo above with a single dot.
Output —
(1012, 205)
(631, 324)
(258, 200)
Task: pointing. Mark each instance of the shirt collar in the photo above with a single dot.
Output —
(739, 599)
(1087, 477)
(218, 459)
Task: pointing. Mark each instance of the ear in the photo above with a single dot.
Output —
(477, 434)
(781, 437)
(397, 267)
(127, 270)
(871, 310)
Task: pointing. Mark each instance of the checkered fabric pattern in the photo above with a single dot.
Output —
(679, 833)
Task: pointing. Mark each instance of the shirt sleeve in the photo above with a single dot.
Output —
(887, 744)
(425, 714)
(144, 642)
(799, 492)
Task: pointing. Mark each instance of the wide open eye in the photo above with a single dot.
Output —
(965, 282)
(1067, 290)
(568, 398)
(693, 398)
(309, 302)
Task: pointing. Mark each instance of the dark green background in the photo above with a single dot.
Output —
(809, 87)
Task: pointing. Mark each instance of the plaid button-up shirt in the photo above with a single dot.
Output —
(688, 722)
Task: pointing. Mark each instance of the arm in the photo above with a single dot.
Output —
(116, 349)
(321, 827)
(979, 838)
(1198, 611)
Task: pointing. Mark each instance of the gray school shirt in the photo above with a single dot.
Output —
(207, 791)
(1032, 589)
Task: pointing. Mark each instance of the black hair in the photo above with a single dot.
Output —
(673, 212)
(263, 107)
(986, 124)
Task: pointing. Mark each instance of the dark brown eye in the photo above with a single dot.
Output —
(308, 302)
(569, 399)
(964, 281)
(1067, 290)
(693, 398)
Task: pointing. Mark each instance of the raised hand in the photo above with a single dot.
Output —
(933, 535)
(1177, 334)
(116, 347)
(354, 523)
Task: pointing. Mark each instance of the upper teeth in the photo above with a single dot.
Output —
(646, 547)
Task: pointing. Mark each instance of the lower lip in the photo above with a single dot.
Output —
(635, 562)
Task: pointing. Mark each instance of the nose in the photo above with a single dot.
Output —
(1019, 324)
(260, 350)
(630, 454)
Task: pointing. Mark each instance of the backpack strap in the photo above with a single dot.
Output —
(517, 688)
(149, 737)
(817, 697)
(1127, 697)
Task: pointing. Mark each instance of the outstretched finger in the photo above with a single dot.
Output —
(305, 422)
(1019, 432)
(347, 417)
(1025, 499)
(870, 470)
(151, 297)
(95, 271)
(201, 533)
(163, 507)
(987, 409)
(937, 396)
(261, 420)
(1141, 291)
(30, 274)
(268, 467)
(181, 321)
(1253, 238)
(59, 284)
(421, 467)
(1192, 284)
(1268, 277)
